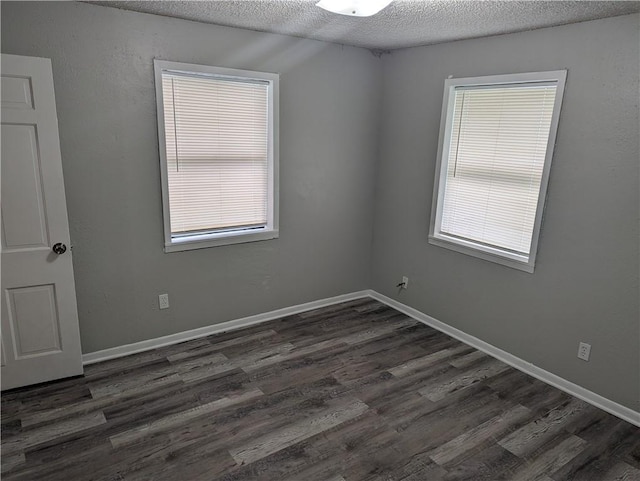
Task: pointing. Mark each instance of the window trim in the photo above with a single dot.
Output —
(468, 247)
(238, 236)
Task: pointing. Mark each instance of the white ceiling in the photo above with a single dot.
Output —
(404, 23)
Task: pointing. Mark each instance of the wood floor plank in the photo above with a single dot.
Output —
(11, 461)
(141, 359)
(11, 426)
(308, 464)
(350, 392)
(135, 382)
(607, 440)
(196, 439)
(170, 421)
(484, 371)
(192, 469)
(27, 439)
(300, 370)
(469, 440)
(528, 437)
(276, 441)
(189, 360)
(92, 464)
(551, 460)
(426, 361)
(384, 330)
(491, 464)
(233, 348)
(277, 412)
(632, 456)
(48, 395)
(468, 359)
(622, 472)
(530, 392)
(144, 395)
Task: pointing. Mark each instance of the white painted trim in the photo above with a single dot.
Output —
(127, 349)
(558, 382)
(487, 253)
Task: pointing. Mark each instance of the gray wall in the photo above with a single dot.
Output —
(585, 286)
(102, 66)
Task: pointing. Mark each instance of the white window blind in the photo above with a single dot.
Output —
(217, 152)
(496, 157)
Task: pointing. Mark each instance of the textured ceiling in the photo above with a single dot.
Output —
(404, 23)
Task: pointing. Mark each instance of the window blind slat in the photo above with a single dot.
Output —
(496, 157)
(216, 134)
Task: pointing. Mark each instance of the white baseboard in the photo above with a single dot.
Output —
(125, 350)
(601, 402)
(590, 397)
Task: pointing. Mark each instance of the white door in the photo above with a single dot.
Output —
(40, 337)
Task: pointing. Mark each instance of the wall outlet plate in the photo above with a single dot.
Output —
(584, 350)
(163, 301)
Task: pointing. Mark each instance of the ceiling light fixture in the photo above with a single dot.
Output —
(354, 8)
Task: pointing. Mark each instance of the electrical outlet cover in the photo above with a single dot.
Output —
(584, 350)
(163, 301)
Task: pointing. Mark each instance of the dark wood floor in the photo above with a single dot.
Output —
(355, 391)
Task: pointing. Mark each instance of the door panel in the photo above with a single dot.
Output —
(17, 92)
(23, 214)
(40, 334)
(33, 316)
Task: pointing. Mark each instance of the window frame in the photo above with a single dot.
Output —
(230, 236)
(466, 246)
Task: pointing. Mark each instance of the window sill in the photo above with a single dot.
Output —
(219, 239)
(486, 253)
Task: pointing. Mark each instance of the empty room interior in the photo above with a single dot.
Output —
(333, 240)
